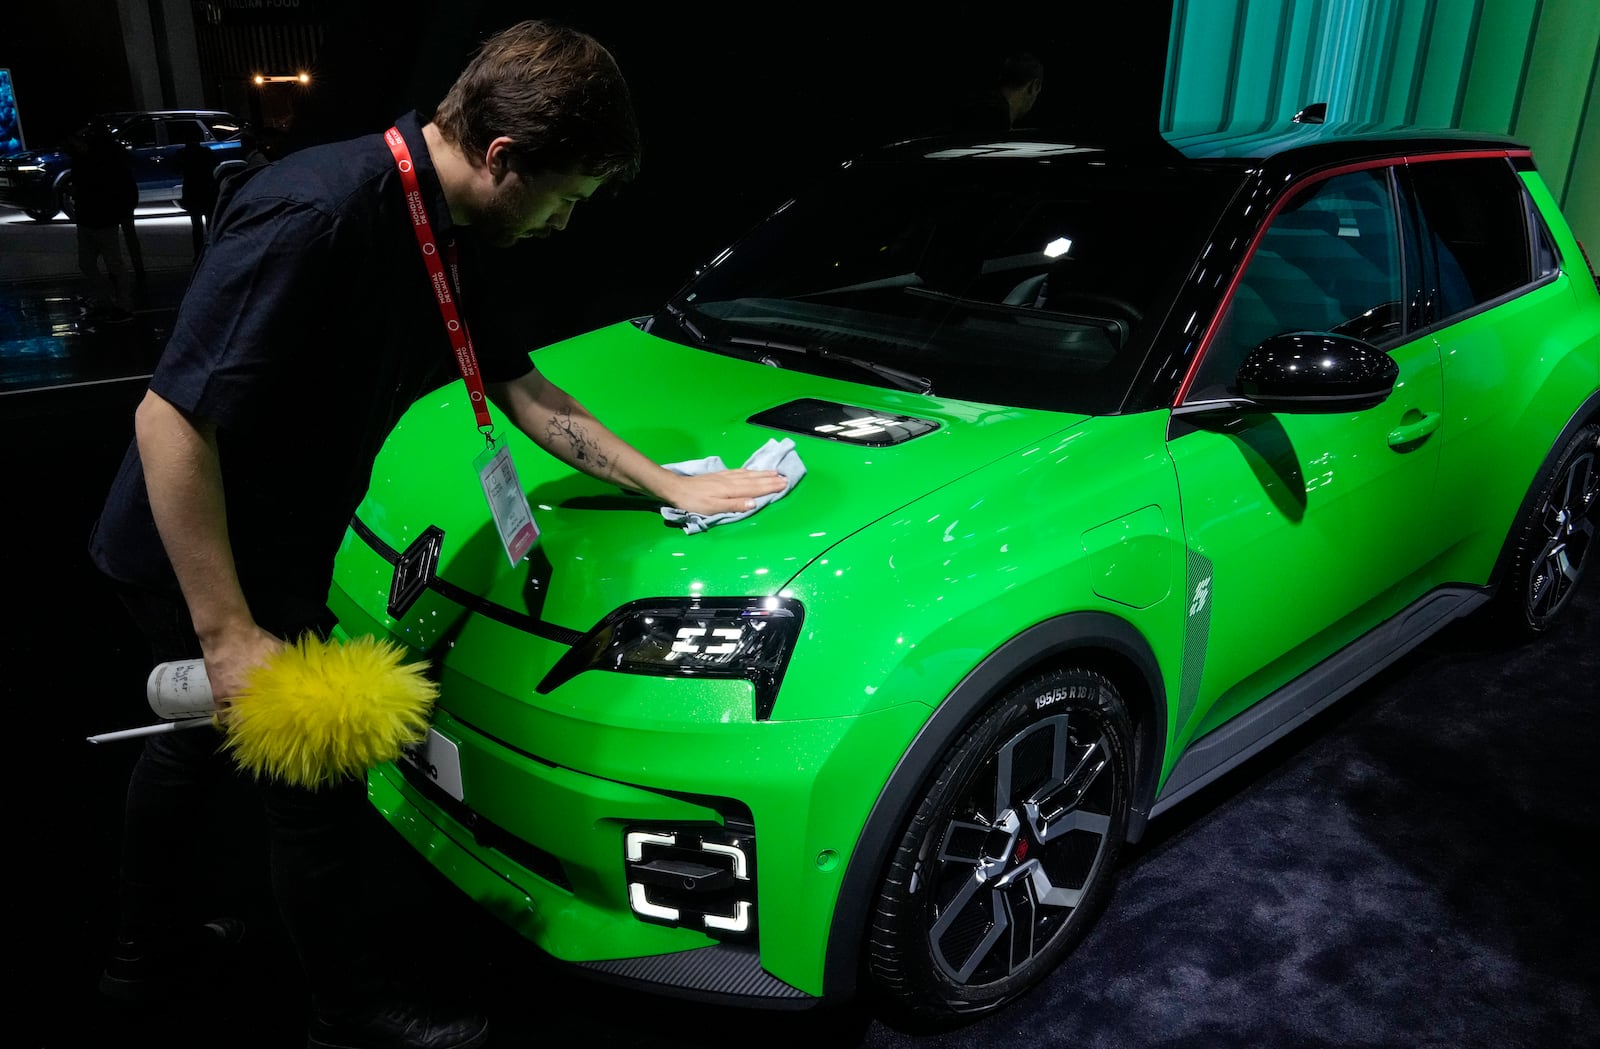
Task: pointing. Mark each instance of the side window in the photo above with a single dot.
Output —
(183, 132)
(1545, 261)
(1330, 261)
(223, 128)
(139, 133)
(1475, 225)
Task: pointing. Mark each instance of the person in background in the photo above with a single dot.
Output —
(311, 323)
(1001, 103)
(103, 193)
(199, 195)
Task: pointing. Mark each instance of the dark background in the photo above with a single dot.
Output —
(739, 106)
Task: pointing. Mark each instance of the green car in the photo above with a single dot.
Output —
(1119, 462)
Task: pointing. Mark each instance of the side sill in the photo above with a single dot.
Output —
(1274, 717)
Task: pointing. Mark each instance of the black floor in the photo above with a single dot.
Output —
(1414, 869)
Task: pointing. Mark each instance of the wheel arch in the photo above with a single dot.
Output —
(1095, 641)
(1588, 412)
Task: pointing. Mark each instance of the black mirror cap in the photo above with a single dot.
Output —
(1309, 371)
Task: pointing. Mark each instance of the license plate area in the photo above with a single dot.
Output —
(439, 760)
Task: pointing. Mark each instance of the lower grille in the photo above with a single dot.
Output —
(487, 834)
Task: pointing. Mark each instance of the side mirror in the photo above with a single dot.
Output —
(1310, 372)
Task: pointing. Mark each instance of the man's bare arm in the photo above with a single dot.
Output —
(565, 429)
(183, 475)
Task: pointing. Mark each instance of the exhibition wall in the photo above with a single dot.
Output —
(1530, 68)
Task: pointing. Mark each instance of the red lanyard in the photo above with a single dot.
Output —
(454, 326)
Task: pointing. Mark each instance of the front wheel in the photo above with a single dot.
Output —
(69, 203)
(1011, 853)
(1552, 540)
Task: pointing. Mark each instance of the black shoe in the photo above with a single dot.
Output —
(397, 1025)
(145, 972)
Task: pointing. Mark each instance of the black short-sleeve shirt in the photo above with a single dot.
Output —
(308, 328)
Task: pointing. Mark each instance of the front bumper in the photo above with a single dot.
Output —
(536, 822)
(30, 192)
(529, 889)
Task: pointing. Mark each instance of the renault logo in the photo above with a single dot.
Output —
(414, 570)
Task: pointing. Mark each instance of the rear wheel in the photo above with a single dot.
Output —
(1012, 852)
(1552, 542)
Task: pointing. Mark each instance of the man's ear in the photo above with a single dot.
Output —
(497, 157)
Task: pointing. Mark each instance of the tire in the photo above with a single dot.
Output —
(1011, 853)
(40, 214)
(68, 204)
(1552, 543)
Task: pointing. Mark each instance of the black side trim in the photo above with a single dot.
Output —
(727, 974)
(470, 601)
(1274, 717)
(487, 834)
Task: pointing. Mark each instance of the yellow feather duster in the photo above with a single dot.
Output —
(320, 711)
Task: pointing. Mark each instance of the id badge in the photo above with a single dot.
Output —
(507, 503)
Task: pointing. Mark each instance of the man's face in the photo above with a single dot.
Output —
(532, 205)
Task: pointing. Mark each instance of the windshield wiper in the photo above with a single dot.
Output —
(902, 379)
(682, 317)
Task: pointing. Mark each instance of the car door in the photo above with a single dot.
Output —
(1304, 530)
(140, 135)
(1502, 321)
(176, 132)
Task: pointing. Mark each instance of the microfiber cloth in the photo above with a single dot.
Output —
(774, 455)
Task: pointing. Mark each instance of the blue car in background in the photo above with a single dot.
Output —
(40, 181)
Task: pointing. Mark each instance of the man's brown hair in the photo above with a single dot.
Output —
(556, 93)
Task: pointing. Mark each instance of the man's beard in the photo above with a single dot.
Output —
(500, 223)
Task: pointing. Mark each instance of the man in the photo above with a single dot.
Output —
(199, 193)
(103, 190)
(310, 325)
(1002, 104)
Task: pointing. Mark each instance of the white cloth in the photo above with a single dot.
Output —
(774, 455)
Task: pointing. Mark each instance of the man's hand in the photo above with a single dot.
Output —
(565, 429)
(230, 658)
(723, 492)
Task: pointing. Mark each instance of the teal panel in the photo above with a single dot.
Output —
(1580, 196)
(1263, 56)
(1437, 91)
(1402, 72)
(1496, 64)
(1201, 82)
(1557, 83)
(1528, 67)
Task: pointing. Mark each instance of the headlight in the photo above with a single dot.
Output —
(747, 638)
(28, 169)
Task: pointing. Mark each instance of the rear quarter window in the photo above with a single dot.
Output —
(1480, 231)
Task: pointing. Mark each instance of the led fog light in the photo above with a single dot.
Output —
(694, 877)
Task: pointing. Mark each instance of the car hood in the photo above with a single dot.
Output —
(32, 156)
(866, 452)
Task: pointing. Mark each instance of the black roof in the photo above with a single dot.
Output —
(128, 113)
(1299, 144)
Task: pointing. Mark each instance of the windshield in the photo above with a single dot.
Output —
(1008, 282)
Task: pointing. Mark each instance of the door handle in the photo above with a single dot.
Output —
(1416, 426)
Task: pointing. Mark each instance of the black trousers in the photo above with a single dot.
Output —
(314, 848)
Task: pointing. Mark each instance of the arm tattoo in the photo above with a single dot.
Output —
(585, 452)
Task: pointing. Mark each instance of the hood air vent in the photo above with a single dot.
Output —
(843, 422)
